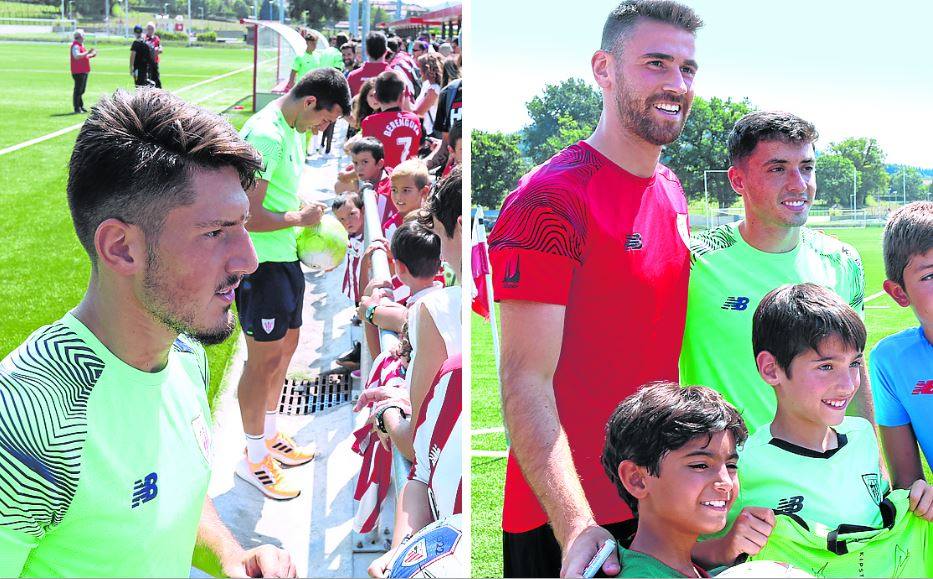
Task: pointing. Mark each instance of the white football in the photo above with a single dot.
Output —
(434, 551)
(764, 569)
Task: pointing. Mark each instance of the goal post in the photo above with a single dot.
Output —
(61, 28)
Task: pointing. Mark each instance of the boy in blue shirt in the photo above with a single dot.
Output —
(902, 364)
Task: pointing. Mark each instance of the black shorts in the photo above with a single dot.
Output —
(269, 300)
(536, 553)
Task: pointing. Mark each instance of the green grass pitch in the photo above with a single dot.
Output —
(44, 268)
(883, 317)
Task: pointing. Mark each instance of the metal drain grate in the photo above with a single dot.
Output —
(312, 395)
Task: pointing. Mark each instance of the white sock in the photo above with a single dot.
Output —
(269, 429)
(256, 449)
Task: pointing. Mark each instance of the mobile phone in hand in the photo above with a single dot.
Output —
(597, 561)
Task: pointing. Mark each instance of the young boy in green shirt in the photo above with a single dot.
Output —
(812, 461)
(672, 453)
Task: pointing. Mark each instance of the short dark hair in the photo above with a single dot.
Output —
(418, 248)
(371, 144)
(376, 45)
(348, 197)
(341, 39)
(767, 126)
(327, 85)
(455, 134)
(135, 155)
(392, 43)
(349, 45)
(908, 232)
(792, 319)
(660, 418)
(420, 44)
(445, 203)
(389, 87)
(626, 16)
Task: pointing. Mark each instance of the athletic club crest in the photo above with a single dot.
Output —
(203, 435)
(267, 325)
(873, 486)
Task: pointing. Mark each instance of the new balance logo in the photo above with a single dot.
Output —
(512, 275)
(145, 489)
(633, 242)
(737, 303)
(789, 506)
(923, 387)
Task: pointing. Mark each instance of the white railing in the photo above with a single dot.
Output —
(381, 536)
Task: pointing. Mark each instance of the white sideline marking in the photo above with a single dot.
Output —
(77, 126)
(877, 307)
(490, 453)
(95, 73)
(492, 430)
(874, 296)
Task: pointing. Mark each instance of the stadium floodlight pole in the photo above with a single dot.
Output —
(107, 17)
(904, 182)
(854, 188)
(398, 9)
(706, 193)
(189, 13)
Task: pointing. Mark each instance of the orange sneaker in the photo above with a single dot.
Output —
(267, 476)
(286, 451)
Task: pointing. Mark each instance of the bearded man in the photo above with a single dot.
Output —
(591, 263)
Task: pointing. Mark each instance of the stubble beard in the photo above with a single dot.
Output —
(637, 116)
(167, 308)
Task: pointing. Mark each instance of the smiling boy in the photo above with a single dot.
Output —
(671, 453)
(812, 460)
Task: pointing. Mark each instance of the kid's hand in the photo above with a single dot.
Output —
(378, 244)
(749, 533)
(921, 500)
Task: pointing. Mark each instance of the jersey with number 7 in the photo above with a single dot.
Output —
(398, 131)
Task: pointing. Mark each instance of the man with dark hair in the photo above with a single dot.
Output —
(348, 56)
(449, 112)
(269, 302)
(376, 48)
(671, 453)
(140, 59)
(596, 235)
(773, 169)
(105, 462)
(398, 130)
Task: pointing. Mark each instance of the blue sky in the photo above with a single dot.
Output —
(853, 68)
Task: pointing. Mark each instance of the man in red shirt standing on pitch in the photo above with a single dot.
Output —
(155, 43)
(376, 48)
(398, 130)
(590, 265)
(80, 68)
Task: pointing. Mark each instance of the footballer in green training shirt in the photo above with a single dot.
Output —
(104, 424)
(773, 168)
(269, 301)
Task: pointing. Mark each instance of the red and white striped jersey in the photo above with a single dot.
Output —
(438, 442)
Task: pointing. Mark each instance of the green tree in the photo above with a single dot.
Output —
(497, 165)
(314, 13)
(868, 158)
(834, 175)
(703, 146)
(572, 107)
(912, 179)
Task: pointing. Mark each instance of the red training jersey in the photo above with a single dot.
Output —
(398, 131)
(79, 65)
(611, 247)
(154, 42)
(369, 70)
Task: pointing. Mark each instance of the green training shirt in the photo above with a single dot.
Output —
(103, 468)
(305, 63)
(728, 279)
(283, 157)
(901, 547)
(838, 486)
(636, 564)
